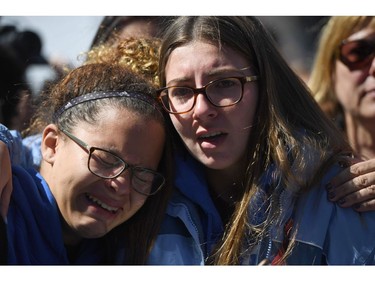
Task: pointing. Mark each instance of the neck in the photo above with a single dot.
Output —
(224, 184)
(361, 136)
(226, 188)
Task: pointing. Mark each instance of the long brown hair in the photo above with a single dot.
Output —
(289, 123)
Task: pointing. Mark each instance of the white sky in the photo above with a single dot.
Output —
(63, 37)
(67, 27)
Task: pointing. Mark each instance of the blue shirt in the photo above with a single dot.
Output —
(34, 226)
(327, 233)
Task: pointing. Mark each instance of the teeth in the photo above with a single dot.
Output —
(211, 135)
(101, 204)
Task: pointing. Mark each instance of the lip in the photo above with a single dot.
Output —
(103, 204)
(369, 93)
(211, 139)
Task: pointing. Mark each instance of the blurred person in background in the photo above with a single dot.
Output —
(15, 93)
(296, 38)
(343, 83)
(22, 49)
(114, 28)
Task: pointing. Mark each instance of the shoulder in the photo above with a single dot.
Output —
(183, 214)
(13, 141)
(18, 152)
(344, 235)
(178, 241)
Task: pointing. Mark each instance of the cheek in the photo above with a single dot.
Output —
(131, 208)
(346, 82)
(70, 173)
(138, 201)
(181, 123)
(249, 105)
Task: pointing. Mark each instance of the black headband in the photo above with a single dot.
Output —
(102, 95)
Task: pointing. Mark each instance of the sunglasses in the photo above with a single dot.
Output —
(357, 54)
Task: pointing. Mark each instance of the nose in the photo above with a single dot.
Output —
(121, 185)
(203, 108)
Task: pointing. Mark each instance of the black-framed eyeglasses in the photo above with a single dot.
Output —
(221, 92)
(107, 165)
(357, 54)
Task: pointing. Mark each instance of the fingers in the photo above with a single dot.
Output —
(354, 168)
(366, 206)
(355, 186)
(363, 199)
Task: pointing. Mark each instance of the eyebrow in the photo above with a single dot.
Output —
(212, 74)
(117, 153)
(218, 71)
(87, 146)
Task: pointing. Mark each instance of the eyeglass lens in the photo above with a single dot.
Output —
(222, 92)
(107, 165)
(357, 54)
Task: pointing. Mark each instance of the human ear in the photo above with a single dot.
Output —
(50, 140)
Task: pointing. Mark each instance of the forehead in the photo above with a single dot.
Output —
(126, 133)
(117, 123)
(202, 56)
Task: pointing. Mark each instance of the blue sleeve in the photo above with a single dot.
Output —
(19, 154)
(32, 144)
(351, 235)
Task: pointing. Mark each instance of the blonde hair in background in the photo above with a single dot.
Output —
(321, 80)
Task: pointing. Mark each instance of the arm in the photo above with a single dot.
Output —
(20, 154)
(355, 186)
(12, 152)
(5, 180)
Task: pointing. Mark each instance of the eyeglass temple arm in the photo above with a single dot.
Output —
(78, 141)
(251, 78)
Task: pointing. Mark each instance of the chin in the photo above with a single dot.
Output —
(215, 164)
(93, 231)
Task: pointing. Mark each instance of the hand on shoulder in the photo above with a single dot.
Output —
(354, 186)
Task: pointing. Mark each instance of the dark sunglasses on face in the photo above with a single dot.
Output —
(357, 54)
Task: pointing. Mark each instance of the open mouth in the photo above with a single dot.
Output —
(101, 204)
(211, 136)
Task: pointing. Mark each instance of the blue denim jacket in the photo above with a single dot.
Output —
(327, 233)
